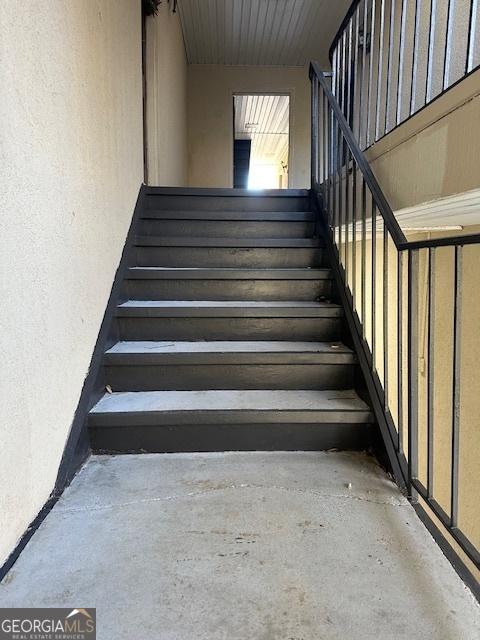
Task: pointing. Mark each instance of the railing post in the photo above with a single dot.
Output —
(314, 151)
(457, 333)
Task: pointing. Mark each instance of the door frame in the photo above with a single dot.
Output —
(287, 92)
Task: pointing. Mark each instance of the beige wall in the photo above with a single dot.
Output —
(166, 67)
(210, 119)
(435, 153)
(71, 158)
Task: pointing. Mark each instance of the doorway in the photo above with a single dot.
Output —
(261, 141)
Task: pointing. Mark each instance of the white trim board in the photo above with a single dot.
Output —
(452, 212)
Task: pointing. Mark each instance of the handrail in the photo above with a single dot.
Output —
(380, 200)
(449, 241)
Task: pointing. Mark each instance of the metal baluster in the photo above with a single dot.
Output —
(334, 175)
(385, 315)
(416, 35)
(325, 141)
(471, 36)
(319, 167)
(401, 61)
(388, 98)
(448, 44)
(431, 369)
(364, 255)
(400, 349)
(347, 211)
(340, 190)
(335, 71)
(370, 79)
(380, 68)
(413, 256)
(457, 330)
(329, 164)
(314, 147)
(327, 159)
(363, 88)
(374, 283)
(356, 97)
(349, 105)
(431, 48)
(354, 232)
(343, 72)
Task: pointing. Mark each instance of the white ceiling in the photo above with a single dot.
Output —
(263, 120)
(260, 32)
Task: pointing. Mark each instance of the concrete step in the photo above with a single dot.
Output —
(229, 320)
(228, 252)
(282, 228)
(163, 421)
(188, 199)
(177, 365)
(166, 283)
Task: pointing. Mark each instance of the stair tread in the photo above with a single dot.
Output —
(227, 352)
(251, 346)
(231, 216)
(231, 400)
(206, 241)
(229, 273)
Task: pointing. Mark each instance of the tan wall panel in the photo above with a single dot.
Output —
(210, 119)
(166, 68)
(435, 153)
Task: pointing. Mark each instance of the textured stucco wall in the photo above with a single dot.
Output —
(210, 119)
(166, 66)
(71, 166)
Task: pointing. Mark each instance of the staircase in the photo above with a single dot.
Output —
(229, 337)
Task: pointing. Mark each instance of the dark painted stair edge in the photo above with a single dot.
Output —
(77, 446)
(227, 437)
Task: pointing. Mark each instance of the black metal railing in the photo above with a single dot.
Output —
(410, 325)
(390, 58)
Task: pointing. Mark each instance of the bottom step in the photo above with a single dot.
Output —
(171, 421)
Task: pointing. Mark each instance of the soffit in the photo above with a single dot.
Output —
(260, 32)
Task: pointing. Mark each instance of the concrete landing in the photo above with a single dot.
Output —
(243, 546)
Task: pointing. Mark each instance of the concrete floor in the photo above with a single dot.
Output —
(243, 546)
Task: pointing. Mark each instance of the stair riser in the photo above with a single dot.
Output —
(321, 329)
(230, 203)
(242, 437)
(211, 376)
(225, 229)
(164, 289)
(227, 257)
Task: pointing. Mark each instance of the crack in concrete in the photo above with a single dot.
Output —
(393, 501)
